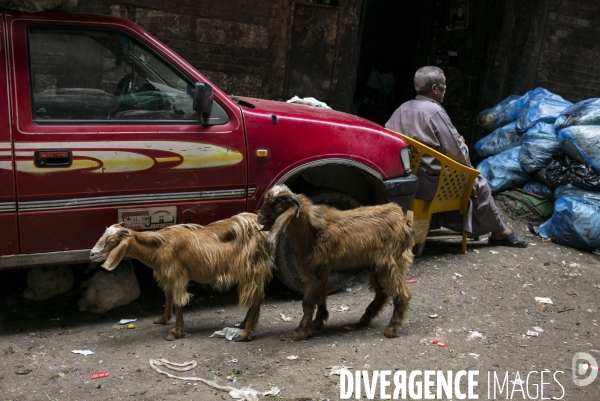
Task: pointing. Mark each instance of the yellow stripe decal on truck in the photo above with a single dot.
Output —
(128, 156)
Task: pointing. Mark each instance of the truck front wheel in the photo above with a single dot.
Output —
(287, 267)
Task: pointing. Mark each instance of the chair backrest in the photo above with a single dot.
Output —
(455, 182)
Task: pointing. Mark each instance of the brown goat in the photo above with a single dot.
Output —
(325, 240)
(224, 253)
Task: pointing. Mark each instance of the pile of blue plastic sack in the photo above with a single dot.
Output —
(550, 147)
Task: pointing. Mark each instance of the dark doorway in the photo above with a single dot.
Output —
(388, 53)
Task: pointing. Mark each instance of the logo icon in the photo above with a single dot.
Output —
(586, 362)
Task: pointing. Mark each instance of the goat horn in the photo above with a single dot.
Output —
(297, 202)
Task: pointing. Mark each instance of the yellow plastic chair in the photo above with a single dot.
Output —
(453, 191)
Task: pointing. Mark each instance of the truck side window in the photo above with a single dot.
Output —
(103, 76)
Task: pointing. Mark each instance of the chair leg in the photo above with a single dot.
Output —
(418, 249)
(464, 242)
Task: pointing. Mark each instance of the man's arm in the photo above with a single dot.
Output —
(452, 144)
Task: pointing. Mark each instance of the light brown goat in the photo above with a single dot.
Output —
(325, 240)
(224, 253)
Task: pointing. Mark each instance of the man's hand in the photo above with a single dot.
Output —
(462, 138)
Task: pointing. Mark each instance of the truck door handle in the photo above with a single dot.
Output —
(53, 158)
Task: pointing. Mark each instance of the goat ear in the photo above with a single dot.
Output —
(280, 225)
(116, 255)
(122, 224)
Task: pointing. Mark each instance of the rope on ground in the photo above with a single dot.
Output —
(246, 393)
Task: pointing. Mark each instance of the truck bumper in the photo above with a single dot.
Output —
(402, 190)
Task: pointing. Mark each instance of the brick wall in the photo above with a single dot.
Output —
(569, 58)
(236, 44)
(243, 46)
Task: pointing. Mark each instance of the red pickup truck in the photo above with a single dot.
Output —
(102, 123)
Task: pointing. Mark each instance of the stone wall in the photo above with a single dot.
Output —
(244, 46)
(263, 48)
(562, 53)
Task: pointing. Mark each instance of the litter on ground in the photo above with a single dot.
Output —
(82, 352)
(230, 333)
(542, 300)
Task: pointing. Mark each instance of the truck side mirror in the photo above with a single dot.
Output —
(203, 99)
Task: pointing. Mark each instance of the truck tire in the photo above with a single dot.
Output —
(287, 267)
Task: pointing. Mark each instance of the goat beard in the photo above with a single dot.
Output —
(266, 227)
(116, 255)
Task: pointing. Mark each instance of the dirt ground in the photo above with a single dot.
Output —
(481, 304)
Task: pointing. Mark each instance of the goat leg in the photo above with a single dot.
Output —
(166, 316)
(321, 301)
(250, 322)
(305, 328)
(377, 304)
(322, 316)
(400, 310)
(175, 332)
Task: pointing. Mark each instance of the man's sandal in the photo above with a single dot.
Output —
(513, 239)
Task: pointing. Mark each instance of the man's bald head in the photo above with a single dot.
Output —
(426, 77)
(431, 82)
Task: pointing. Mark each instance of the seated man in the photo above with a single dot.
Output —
(425, 120)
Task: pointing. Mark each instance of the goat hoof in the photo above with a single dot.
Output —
(171, 336)
(161, 320)
(299, 335)
(244, 338)
(364, 322)
(390, 332)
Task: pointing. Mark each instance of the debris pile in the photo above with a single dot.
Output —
(550, 147)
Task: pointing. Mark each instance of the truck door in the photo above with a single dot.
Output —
(105, 132)
(9, 244)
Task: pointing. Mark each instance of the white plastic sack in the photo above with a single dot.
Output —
(311, 101)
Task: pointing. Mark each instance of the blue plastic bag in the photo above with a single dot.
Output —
(538, 145)
(586, 112)
(498, 141)
(574, 223)
(536, 187)
(539, 105)
(583, 195)
(499, 115)
(504, 171)
(582, 143)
